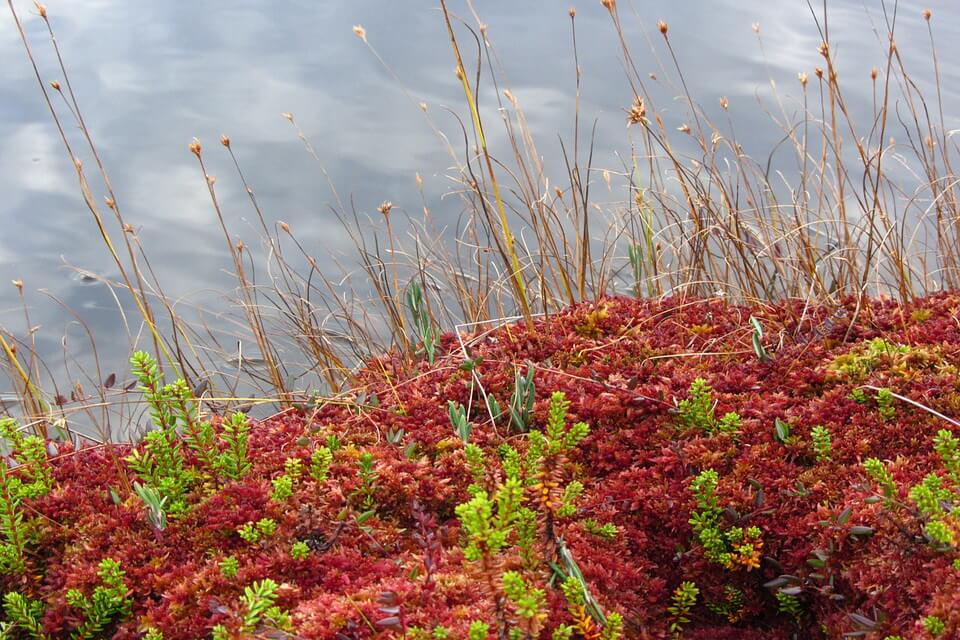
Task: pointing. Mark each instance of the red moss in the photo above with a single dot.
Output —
(623, 369)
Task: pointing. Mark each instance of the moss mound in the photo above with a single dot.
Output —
(793, 475)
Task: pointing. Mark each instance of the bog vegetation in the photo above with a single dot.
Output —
(721, 409)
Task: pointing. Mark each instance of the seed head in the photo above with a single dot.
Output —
(385, 207)
(287, 115)
(211, 180)
(572, 12)
(927, 14)
(18, 284)
(824, 49)
(241, 246)
(819, 72)
(756, 27)
(360, 32)
(874, 73)
(724, 103)
(663, 27)
(55, 84)
(111, 203)
(128, 228)
(225, 140)
(284, 227)
(419, 181)
(195, 147)
(684, 128)
(459, 72)
(41, 9)
(609, 4)
(423, 106)
(637, 114)
(802, 77)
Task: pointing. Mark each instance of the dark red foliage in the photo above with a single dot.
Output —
(624, 364)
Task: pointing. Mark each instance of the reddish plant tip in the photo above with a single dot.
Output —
(194, 147)
(225, 140)
(927, 14)
(663, 27)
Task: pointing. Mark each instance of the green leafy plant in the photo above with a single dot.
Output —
(283, 484)
(259, 609)
(458, 418)
(821, 442)
(697, 411)
(529, 605)
(757, 340)
(232, 462)
(522, 398)
(789, 604)
(154, 502)
(731, 547)
(607, 531)
(256, 532)
(108, 603)
(320, 461)
(885, 406)
(12, 526)
(683, 600)
(934, 626)
(934, 496)
(300, 550)
(584, 623)
(366, 491)
(229, 567)
(24, 613)
(422, 324)
(30, 454)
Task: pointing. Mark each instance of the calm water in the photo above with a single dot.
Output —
(151, 76)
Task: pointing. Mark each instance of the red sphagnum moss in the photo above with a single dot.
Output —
(829, 553)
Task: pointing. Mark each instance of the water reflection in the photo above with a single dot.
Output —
(151, 76)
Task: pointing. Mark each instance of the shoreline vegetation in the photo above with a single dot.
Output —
(723, 408)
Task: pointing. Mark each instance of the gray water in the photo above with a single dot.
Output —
(151, 76)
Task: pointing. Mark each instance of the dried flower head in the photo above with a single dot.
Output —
(423, 106)
(111, 203)
(128, 228)
(637, 114)
(195, 147)
(874, 73)
(284, 226)
(385, 207)
(819, 72)
(55, 84)
(41, 9)
(419, 181)
(609, 4)
(18, 284)
(663, 27)
(802, 77)
(824, 49)
(211, 180)
(360, 32)
(756, 27)
(724, 103)
(241, 246)
(572, 12)
(225, 140)
(927, 14)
